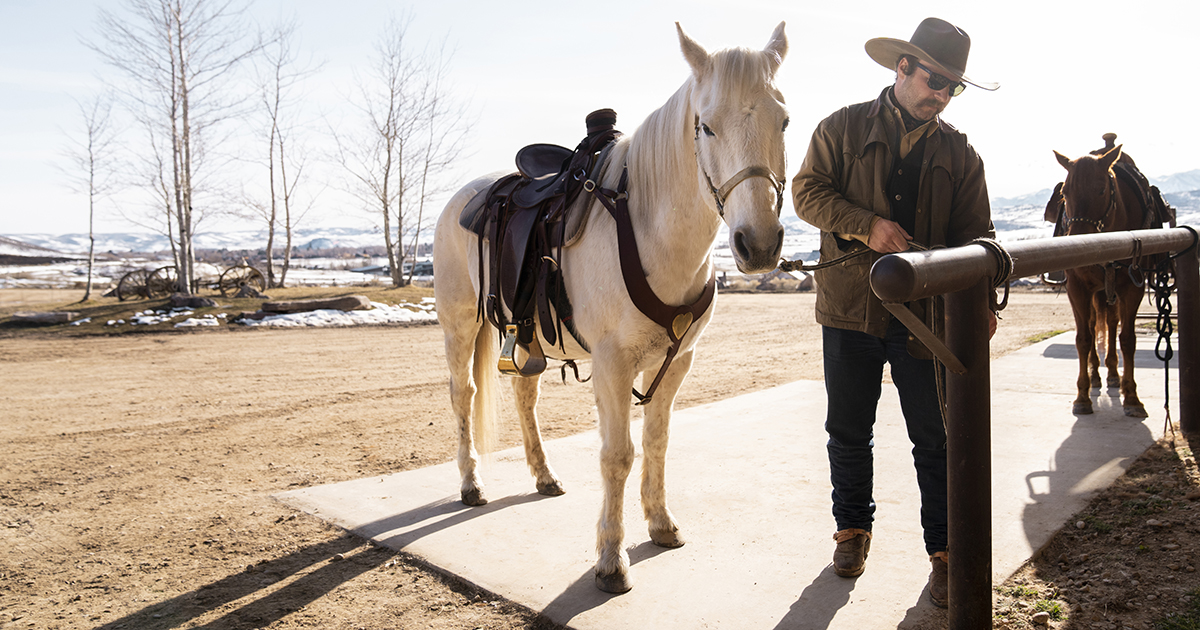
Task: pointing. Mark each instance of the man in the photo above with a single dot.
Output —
(883, 173)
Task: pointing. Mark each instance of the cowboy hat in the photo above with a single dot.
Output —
(937, 43)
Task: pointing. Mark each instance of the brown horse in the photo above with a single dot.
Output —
(1103, 296)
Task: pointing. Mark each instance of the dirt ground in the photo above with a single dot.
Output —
(136, 487)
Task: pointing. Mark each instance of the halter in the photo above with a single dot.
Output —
(1110, 187)
(720, 195)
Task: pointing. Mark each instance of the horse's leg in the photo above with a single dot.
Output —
(1081, 306)
(1111, 322)
(613, 378)
(461, 343)
(527, 389)
(1096, 323)
(664, 530)
(1129, 303)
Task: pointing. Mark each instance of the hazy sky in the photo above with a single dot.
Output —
(1069, 71)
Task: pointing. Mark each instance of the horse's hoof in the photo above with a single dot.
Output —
(474, 497)
(666, 538)
(1114, 381)
(615, 583)
(1095, 381)
(1082, 408)
(1136, 411)
(552, 489)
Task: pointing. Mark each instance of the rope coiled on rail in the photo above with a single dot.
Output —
(1004, 261)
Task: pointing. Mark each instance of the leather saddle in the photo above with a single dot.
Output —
(1156, 212)
(527, 218)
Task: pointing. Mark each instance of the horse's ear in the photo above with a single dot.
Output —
(695, 54)
(1064, 160)
(777, 48)
(1110, 158)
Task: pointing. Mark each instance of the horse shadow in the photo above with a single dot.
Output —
(319, 573)
(1075, 467)
(437, 516)
(582, 595)
(321, 568)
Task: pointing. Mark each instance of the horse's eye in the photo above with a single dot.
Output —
(785, 123)
(708, 132)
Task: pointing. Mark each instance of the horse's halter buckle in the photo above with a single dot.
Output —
(721, 195)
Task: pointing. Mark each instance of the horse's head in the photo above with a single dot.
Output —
(739, 120)
(1089, 192)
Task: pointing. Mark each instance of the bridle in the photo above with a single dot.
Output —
(1110, 188)
(721, 195)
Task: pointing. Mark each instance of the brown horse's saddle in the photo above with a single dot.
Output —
(527, 218)
(1156, 212)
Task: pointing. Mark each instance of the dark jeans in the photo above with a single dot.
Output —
(853, 382)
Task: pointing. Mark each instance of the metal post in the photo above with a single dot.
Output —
(969, 460)
(1187, 285)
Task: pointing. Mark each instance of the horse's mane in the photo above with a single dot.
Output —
(738, 71)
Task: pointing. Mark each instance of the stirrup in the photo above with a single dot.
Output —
(507, 363)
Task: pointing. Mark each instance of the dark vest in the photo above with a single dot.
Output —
(903, 186)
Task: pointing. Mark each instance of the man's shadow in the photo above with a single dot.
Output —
(819, 603)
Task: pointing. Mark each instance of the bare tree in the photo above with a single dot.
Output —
(279, 77)
(412, 133)
(93, 165)
(179, 56)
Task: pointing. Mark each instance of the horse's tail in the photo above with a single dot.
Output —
(487, 379)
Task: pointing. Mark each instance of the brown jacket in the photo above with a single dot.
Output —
(842, 186)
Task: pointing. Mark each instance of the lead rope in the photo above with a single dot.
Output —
(1163, 284)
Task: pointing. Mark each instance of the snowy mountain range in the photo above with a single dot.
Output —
(1015, 218)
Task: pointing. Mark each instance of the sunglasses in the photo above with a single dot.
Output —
(937, 82)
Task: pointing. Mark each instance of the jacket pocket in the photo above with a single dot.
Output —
(842, 289)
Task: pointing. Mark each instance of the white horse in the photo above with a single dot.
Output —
(724, 125)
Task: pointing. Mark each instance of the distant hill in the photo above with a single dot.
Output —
(1177, 183)
(310, 238)
(1014, 217)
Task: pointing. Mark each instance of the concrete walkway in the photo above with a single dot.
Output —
(747, 479)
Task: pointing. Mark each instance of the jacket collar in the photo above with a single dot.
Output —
(884, 103)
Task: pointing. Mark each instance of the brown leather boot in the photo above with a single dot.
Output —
(850, 557)
(938, 591)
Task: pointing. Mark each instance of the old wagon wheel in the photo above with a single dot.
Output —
(132, 284)
(235, 278)
(163, 281)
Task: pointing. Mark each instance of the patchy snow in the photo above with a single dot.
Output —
(378, 314)
(207, 320)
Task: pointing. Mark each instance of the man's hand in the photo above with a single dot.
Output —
(887, 237)
(991, 324)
